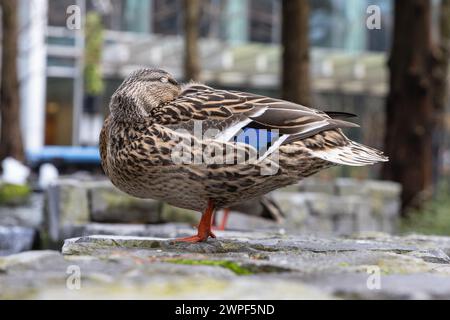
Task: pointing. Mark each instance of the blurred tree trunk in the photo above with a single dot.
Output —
(296, 83)
(441, 88)
(191, 31)
(409, 110)
(10, 139)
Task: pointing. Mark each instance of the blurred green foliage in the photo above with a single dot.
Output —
(93, 54)
(433, 218)
(12, 194)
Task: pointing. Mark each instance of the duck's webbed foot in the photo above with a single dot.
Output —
(204, 227)
(196, 238)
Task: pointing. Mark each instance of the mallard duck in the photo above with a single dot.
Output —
(194, 146)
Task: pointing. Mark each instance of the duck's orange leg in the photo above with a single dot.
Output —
(223, 223)
(204, 227)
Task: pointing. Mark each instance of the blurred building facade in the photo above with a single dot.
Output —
(239, 49)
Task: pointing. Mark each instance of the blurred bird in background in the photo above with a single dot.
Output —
(263, 207)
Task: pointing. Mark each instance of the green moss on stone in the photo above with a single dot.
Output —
(12, 194)
(230, 265)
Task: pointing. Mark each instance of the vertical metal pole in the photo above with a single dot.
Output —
(78, 83)
(32, 72)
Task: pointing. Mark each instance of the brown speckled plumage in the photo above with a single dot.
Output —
(149, 110)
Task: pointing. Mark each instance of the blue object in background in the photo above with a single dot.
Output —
(66, 154)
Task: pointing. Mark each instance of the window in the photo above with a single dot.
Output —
(167, 16)
(265, 20)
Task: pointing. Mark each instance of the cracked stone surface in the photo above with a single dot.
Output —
(144, 263)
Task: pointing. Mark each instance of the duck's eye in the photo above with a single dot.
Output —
(164, 79)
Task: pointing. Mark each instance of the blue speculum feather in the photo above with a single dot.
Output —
(260, 139)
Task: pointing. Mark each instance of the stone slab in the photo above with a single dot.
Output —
(239, 265)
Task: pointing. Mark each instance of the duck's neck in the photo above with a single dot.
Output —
(128, 109)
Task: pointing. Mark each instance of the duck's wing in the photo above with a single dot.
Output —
(229, 112)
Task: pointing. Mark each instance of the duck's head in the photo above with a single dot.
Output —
(144, 90)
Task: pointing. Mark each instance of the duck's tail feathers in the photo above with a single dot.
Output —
(340, 115)
(353, 154)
